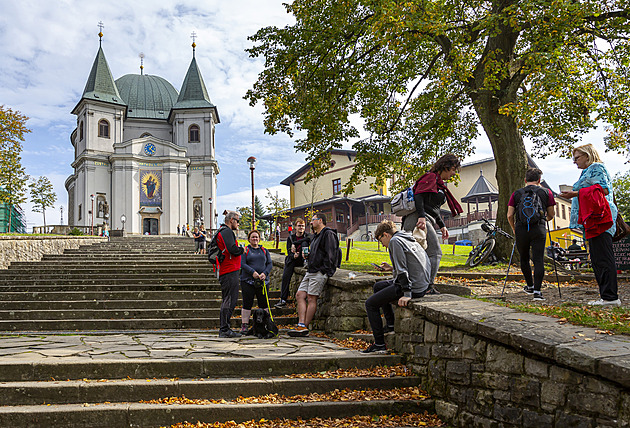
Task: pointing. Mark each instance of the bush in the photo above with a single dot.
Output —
(75, 232)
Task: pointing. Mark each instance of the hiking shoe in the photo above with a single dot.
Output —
(538, 296)
(375, 349)
(280, 304)
(602, 302)
(528, 289)
(244, 328)
(299, 331)
(229, 334)
(388, 329)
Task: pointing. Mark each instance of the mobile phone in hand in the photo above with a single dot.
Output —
(376, 266)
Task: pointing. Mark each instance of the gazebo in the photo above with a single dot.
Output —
(482, 191)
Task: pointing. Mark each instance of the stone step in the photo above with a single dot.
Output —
(70, 279)
(163, 295)
(90, 264)
(121, 324)
(135, 390)
(104, 270)
(51, 286)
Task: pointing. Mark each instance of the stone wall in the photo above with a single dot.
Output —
(491, 366)
(29, 248)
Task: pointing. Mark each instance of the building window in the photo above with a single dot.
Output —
(146, 134)
(336, 186)
(80, 211)
(564, 213)
(193, 134)
(103, 128)
(340, 218)
(81, 131)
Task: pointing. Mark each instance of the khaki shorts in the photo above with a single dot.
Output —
(313, 283)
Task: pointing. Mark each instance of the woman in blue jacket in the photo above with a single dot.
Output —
(255, 270)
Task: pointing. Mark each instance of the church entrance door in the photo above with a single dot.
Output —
(150, 225)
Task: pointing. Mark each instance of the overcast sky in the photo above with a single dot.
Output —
(47, 49)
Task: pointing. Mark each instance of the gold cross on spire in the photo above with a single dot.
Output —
(100, 33)
(193, 36)
(141, 55)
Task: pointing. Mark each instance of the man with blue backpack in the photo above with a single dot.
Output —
(529, 209)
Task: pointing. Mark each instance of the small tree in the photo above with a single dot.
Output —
(278, 207)
(42, 195)
(621, 185)
(13, 178)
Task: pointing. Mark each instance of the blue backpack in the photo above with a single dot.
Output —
(530, 209)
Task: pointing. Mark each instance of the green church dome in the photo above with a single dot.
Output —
(149, 97)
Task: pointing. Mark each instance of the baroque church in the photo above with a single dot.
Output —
(144, 154)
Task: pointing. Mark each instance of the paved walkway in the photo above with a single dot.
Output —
(81, 346)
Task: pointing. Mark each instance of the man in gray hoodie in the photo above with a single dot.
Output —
(411, 268)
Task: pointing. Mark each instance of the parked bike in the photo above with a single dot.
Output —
(483, 250)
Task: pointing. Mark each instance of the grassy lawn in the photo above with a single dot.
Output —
(364, 253)
(607, 321)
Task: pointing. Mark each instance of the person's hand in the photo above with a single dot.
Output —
(421, 223)
(296, 255)
(293, 248)
(255, 275)
(569, 194)
(444, 233)
(262, 276)
(386, 267)
(403, 301)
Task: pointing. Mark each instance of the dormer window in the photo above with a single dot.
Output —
(146, 134)
(103, 128)
(193, 134)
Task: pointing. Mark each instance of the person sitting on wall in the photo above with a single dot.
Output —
(412, 274)
(295, 242)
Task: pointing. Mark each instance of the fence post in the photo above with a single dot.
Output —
(348, 248)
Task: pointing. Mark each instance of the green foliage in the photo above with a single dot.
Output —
(621, 185)
(76, 232)
(13, 178)
(278, 206)
(246, 217)
(42, 195)
(409, 81)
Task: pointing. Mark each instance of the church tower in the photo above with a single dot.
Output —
(144, 153)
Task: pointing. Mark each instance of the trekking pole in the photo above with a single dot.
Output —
(555, 266)
(267, 297)
(509, 266)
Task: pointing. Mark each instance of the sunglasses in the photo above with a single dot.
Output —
(238, 220)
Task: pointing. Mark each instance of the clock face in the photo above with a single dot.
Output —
(149, 149)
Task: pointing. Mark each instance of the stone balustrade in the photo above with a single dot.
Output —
(30, 248)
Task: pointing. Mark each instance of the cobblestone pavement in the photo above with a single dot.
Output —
(40, 347)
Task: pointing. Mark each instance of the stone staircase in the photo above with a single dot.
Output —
(126, 284)
(106, 335)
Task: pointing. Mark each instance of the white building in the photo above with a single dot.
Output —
(143, 150)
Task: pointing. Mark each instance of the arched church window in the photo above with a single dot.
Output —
(81, 131)
(103, 128)
(193, 134)
(146, 134)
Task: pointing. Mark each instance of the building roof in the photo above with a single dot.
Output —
(291, 178)
(193, 93)
(482, 191)
(100, 84)
(147, 96)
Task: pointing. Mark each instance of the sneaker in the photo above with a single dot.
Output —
(388, 329)
(602, 302)
(244, 329)
(538, 296)
(229, 334)
(528, 289)
(299, 331)
(280, 304)
(375, 349)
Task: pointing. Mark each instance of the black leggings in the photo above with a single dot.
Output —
(604, 266)
(534, 239)
(249, 291)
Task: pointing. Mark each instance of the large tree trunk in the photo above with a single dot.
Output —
(510, 157)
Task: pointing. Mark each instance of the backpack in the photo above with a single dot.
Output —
(215, 255)
(263, 248)
(339, 252)
(529, 209)
(402, 203)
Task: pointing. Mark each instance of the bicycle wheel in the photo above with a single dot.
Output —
(365, 237)
(482, 254)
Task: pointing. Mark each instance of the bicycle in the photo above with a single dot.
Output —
(483, 250)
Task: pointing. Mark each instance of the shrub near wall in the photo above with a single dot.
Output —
(32, 248)
(491, 366)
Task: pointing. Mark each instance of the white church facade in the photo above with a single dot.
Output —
(143, 153)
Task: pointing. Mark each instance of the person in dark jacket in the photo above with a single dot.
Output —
(295, 242)
(531, 235)
(322, 264)
(255, 269)
(229, 266)
(430, 193)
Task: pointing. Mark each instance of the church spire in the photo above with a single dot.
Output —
(193, 93)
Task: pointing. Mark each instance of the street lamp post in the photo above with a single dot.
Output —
(252, 165)
(92, 216)
(210, 225)
(123, 219)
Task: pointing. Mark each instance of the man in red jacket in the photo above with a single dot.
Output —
(229, 267)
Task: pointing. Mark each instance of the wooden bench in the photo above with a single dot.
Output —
(577, 259)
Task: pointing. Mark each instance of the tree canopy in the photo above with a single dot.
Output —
(621, 184)
(407, 81)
